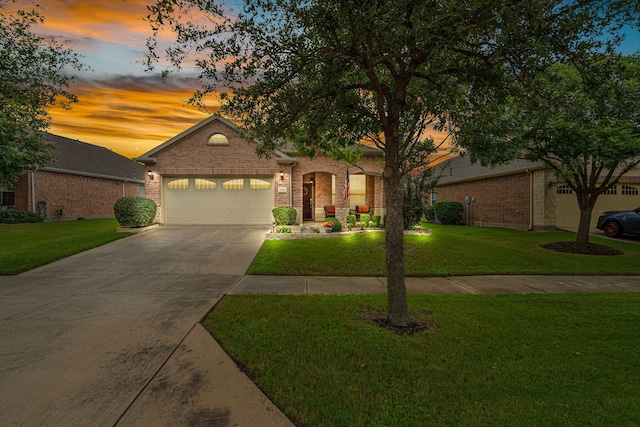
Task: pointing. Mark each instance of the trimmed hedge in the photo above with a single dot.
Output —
(135, 212)
(337, 225)
(376, 220)
(284, 215)
(364, 220)
(448, 212)
(351, 220)
(429, 213)
(12, 216)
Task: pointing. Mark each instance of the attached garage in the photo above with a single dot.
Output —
(218, 200)
(618, 198)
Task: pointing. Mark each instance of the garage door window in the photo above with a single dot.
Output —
(628, 190)
(178, 184)
(259, 184)
(564, 189)
(205, 184)
(233, 184)
(611, 191)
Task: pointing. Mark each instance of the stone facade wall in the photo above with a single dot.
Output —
(78, 196)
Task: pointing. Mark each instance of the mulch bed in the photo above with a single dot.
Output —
(582, 248)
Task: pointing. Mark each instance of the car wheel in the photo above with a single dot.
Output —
(612, 229)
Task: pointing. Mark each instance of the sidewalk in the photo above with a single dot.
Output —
(436, 285)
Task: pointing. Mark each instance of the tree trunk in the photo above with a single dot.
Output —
(398, 314)
(585, 203)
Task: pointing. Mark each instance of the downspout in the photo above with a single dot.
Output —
(33, 192)
(291, 183)
(530, 199)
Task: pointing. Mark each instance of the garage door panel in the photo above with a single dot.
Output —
(568, 212)
(217, 205)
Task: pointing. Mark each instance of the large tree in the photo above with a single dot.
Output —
(580, 119)
(325, 74)
(33, 77)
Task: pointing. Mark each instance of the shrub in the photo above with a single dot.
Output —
(134, 212)
(376, 220)
(284, 215)
(429, 213)
(283, 229)
(351, 219)
(448, 212)
(364, 220)
(12, 216)
(337, 225)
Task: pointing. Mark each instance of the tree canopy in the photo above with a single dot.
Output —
(33, 77)
(326, 74)
(582, 121)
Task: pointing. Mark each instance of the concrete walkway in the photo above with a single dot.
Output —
(112, 336)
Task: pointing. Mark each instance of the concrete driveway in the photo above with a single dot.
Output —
(111, 336)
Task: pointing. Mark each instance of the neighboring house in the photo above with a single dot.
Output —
(83, 181)
(208, 174)
(525, 195)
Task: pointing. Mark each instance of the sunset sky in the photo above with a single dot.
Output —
(121, 106)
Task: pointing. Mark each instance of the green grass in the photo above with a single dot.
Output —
(552, 360)
(451, 250)
(26, 246)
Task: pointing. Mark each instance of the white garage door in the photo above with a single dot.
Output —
(218, 200)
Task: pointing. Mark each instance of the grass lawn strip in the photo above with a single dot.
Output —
(505, 360)
(449, 251)
(27, 246)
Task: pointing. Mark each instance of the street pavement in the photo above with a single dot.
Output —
(112, 336)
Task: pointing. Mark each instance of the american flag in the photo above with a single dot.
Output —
(346, 193)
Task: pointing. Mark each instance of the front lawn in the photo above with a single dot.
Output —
(451, 250)
(488, 360)
(26, 246)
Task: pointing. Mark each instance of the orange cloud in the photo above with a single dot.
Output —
(128, 114)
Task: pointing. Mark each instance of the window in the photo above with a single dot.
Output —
(259, 184)
(218, 139)
(628, 190)
(434, 194)
(205, 184)
(563, 189)
(178, 184)
(233, 184)
(141, 191)
(612, 191)
(7, 198)
(357, 190)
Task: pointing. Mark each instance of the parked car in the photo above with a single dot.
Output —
(616, 223)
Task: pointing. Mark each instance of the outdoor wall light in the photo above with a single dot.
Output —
(150, 174)
(281, 175)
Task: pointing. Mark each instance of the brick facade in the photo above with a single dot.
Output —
(79, 196)
(190, 155)
(501, 201)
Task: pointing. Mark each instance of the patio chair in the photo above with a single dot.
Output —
(361, 210)
(329, 211)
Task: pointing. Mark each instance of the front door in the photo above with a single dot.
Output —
(307, 202)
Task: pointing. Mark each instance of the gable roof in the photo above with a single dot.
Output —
(148, 156)
(283, 155)
(79, 158)
(460, 169)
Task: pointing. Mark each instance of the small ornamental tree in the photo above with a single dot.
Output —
(583, 122)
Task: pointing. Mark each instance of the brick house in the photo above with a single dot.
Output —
(525, 195)
(208, 174)
(83, 181)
